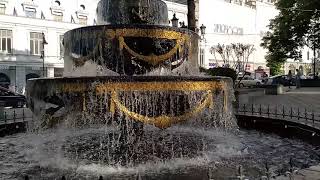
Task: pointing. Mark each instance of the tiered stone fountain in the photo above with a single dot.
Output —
(132, 64)
(132, 105)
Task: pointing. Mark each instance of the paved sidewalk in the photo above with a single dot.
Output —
(304, 98)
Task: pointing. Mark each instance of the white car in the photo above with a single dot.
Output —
(248, 81)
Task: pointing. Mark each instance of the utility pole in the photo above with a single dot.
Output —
(44, 42)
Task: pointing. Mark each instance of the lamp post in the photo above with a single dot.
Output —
(203, 43)
(203, 30)
(174, 21)
(44, 42)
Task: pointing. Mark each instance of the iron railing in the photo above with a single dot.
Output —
(295, 114)
(10, 116)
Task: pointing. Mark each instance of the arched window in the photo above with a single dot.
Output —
(4, 80)
(57, 3)
(82, 7)
(31, 76)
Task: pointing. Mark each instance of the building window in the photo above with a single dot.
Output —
(6, 41)
(57, 11)
(36, 46)
(58, 16)
(61, 47)
(30, 12)
(83, 20)
(82, 15)
(2, 9)
(4, 81)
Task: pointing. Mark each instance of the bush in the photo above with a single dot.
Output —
(220, 71)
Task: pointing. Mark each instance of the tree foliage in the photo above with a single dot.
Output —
(296, 26)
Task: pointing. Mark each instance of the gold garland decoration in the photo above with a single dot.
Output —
(163, 121)
(153, 59)
(143, 86)
(159, 86)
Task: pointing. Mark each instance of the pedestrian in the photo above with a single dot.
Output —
(290, 78)
(298, 79)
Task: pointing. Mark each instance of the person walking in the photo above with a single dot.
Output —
(290, 78)
(298, 79)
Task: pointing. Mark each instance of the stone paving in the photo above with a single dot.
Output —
(304, 98)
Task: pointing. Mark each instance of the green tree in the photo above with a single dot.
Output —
(296, 26)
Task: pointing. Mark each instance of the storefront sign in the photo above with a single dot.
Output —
(225, 29)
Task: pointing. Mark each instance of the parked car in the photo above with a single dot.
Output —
(311, 76)
(248, 81)
(11, 99)
(280, 79)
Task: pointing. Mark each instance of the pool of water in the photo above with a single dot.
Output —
(179, 152)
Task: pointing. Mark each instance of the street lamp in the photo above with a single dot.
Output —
(44, 42)
(174, 21)
(203, 29)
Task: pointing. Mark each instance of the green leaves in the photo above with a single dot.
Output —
(296, 26)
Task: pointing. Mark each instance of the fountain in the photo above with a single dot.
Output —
(132, 105)
(134, 64)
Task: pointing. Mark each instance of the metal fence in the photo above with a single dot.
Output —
(295, 114)
(10, 116)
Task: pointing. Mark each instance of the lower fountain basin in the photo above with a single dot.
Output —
(177, 153)
(157, 100)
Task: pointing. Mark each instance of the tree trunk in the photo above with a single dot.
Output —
(192, 15)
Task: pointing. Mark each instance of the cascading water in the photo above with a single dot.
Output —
(133, 105)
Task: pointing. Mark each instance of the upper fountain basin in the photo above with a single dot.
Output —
(130, 50)
(153, 12)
